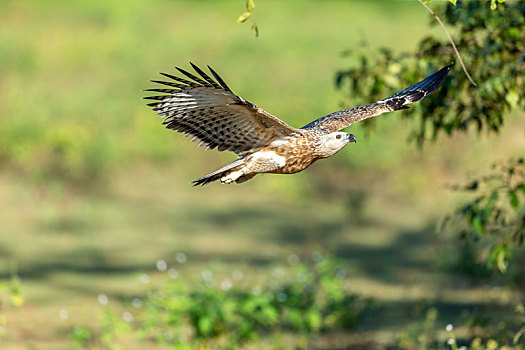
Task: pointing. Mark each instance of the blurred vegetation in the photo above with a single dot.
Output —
(303, 298)
(491, 42)
(495, 218)
(72, 111)
(93, 190)
(425, 335)
(301, 304)
(491, 39)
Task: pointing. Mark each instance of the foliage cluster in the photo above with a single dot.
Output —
(312, 300)
(307, 300)
(495, 218)
(492, 41)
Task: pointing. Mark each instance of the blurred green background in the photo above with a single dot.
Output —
(94, 191)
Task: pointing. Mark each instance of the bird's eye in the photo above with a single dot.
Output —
(338, 136)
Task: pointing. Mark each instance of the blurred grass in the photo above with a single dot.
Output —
(93, 190)
(74, 73)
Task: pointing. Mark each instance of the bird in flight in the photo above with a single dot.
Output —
(206, 110)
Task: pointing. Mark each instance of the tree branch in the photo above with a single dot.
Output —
(451, 41)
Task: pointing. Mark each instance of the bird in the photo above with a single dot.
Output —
(206, 109)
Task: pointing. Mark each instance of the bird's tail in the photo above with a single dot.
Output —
(217, 174)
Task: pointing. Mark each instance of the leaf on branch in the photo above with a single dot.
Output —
(453, 2)
(502, 260)
(256, 29)
(512, 98)
(513, 198)
(242, 18)
(494, 5)
(250, 5)
(450, 39)
(476, 224)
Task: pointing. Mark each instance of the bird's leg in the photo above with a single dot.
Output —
(232, 177)
(259, 162)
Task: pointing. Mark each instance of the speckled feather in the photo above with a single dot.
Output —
(210, 113)
(343, 119)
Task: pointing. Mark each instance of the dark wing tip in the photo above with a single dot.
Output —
(447, 68)
(193, 77)
(205, 76)
(440, 75)
(420, 90)
(424, 88)
(219, 80)
(202, 181)
(191, 80)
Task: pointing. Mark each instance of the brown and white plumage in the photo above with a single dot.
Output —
(212, 114)
(414, 93)
(209, 112)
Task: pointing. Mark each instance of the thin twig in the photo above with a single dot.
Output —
(451, 41)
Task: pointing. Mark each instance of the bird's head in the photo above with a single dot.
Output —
(333, 142)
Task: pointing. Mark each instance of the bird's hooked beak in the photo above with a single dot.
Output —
(351, 138)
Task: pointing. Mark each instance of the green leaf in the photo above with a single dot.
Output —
(250, 5)
(242, 18)
(81, 336)
(492, 199)
(255, 29)
(512, 98)
(476, 224)
(295, 319)
(453, 2)
(270, 314)
(313, 318)
(182, 346)
(517, 336)
(514, 201)
(205, 325)
(502, 262)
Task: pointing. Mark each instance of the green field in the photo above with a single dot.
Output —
(93, 190)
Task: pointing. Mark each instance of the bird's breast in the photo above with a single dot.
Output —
(299, 153)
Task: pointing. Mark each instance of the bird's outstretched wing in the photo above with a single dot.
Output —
(209, 112)
(342, 119)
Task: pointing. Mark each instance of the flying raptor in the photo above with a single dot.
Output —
(208, 111)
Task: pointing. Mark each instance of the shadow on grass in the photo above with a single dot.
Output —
(292, 229)
(285, 227)
(411, 249)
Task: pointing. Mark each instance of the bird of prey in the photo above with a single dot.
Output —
(206, 110)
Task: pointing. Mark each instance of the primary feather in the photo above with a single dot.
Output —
(414, 93)
(209, 112)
